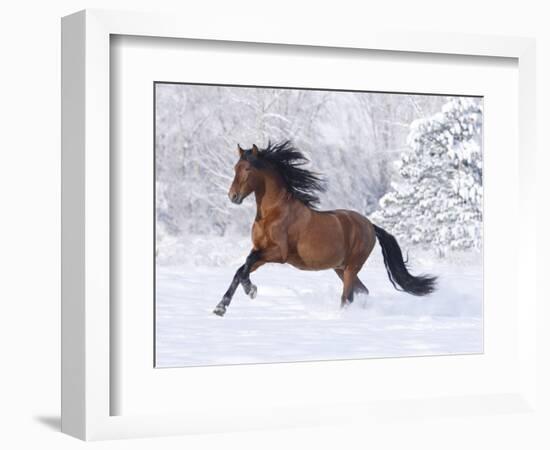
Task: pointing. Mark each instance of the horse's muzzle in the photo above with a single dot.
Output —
(235, 198)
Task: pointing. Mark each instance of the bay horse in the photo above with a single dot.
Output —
(288, 229)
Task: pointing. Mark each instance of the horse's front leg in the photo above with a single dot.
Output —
(253, 261)
(241, 276)
(222, 306)
(250, 288)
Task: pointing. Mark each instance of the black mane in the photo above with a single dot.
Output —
(304, 185)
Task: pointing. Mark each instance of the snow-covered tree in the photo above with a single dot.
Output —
(437, 200)
(351, 138)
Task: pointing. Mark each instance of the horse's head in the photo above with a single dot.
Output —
(247, 177)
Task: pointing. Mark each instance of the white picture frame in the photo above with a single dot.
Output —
(87, 386)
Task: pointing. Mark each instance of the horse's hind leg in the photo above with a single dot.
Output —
(348, 277)
(358, 286)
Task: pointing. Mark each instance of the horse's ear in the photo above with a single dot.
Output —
(255, 150)
(240, 151)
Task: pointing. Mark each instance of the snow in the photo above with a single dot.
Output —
(296, 315)
(428, 195)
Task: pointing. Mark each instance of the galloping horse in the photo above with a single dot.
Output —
(288, 228)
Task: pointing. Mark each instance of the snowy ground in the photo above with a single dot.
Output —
(296, 315)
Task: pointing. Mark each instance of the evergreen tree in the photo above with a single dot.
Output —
(437, 203)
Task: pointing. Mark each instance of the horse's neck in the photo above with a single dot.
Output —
(271, 196)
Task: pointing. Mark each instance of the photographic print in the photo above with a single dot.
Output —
(299, 224)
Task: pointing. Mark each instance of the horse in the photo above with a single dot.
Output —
(289, 229)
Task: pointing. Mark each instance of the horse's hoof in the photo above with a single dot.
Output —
(253, 291)
(345, 304)
(220, 310)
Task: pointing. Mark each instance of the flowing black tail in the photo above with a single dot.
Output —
(397, 269)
